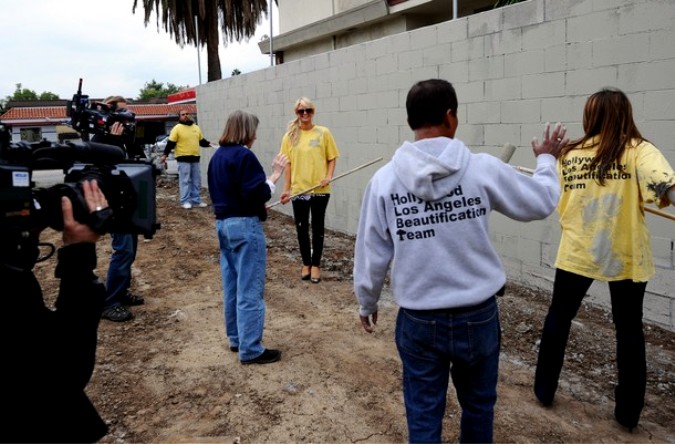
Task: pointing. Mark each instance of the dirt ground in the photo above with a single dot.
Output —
(168, 375)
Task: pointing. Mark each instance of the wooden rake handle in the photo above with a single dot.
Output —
(353, 170)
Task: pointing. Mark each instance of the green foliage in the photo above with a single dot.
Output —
(29, 94)
(501, 3)
(154, 89)
(235, 72)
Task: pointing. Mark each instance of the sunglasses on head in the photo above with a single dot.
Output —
(305, 110)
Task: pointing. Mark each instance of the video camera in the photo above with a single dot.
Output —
(98, 117)
(128, 185)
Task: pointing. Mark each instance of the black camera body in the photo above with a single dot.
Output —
(25, 209)
(128, 185)
(97, 117)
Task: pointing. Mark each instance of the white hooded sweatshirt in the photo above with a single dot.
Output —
(426, 214)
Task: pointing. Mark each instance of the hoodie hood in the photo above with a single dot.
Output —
(431, 168)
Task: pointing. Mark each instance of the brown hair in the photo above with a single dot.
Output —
(240, 129)
(609, 115)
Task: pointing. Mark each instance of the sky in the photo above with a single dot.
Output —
(48, 45)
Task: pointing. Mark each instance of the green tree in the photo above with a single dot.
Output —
(21, 93)
(154, 89)
(235, 72)
(197, 22)
(46, 95)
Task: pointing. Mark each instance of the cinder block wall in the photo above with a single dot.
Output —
(514, 69)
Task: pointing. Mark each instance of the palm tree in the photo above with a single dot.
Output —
(238, 20)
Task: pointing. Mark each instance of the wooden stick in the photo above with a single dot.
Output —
(353, 170)
(647, 209)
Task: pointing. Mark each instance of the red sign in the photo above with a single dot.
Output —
(186, 95)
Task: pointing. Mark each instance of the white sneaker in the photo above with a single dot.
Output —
(187, 205)
(203, 205)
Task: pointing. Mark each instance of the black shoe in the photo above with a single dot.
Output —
(117, 313)
(234, 349)
(267, 357)
(132, 299)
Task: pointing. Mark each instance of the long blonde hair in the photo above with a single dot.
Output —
(293, 130)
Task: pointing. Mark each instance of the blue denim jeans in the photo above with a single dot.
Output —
(436, 344)
(119, 271)
(243, 256)
(189, 182)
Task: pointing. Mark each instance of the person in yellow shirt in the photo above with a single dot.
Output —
(186, 138)
(606, 177)
(312, 153)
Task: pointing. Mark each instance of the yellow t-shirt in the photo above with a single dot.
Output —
(309, 158)
(187, 139)
(604, 234)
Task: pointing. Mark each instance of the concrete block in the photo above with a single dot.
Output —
(622, 49)
(593, 26)
(486, 68)
(556, 9)
(579, 55)
(437, 55)
(506, 42)
(544, 85)
(499, 134)
(522, 14)
(526, 62)
(521, 111)
(424, 37)
(470, 49)
(454, 72)
(484, 112)
(661, 44)
(453, 30)
(562, 109)
(659, 105)
(487, 22)
(652, 15)
(543, 36)
(409, 60)
(503, 89)
(555, 58)
(651, 76)
(659, 309)
(662, 252)
(588, 81)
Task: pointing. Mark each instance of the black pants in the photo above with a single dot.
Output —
(627, 296)
(316, 205)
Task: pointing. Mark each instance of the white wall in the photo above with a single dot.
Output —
(514, 69)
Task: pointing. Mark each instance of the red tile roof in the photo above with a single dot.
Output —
(57, 114)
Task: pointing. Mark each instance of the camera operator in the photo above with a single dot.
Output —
(124, 245)
(48, 355)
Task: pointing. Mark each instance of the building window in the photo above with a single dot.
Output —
(31, 134)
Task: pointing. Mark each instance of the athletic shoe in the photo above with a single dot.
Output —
(117, 313)
(187, 205)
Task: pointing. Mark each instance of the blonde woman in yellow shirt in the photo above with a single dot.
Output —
(312, 155)
(606, 177)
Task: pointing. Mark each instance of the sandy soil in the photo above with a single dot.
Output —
(168, 375)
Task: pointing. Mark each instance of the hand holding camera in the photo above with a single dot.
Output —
(73, 231)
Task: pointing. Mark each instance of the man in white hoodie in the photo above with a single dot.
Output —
(426, 215)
